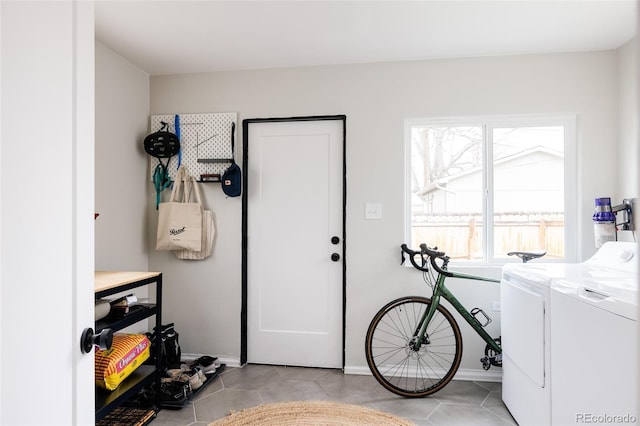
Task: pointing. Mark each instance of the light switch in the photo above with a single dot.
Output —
(373, 211)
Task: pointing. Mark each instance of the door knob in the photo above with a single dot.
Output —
(103, 340)
(335, 257)
(335, 240)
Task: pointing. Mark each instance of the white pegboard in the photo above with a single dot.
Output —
(205, 142)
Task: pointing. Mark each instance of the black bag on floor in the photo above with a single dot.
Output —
(169, 346)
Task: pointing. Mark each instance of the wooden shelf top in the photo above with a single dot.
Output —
(105, 280)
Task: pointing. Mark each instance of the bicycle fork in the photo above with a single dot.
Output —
(420, 336)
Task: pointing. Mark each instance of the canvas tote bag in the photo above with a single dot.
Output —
(208, 228)
(179, 221)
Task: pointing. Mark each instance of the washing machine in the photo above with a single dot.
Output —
(525, 334)
(594, 346)
(527, 326)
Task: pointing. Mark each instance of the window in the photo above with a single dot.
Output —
(479, 188)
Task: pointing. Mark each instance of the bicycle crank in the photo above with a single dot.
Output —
(491, 357)
(488, 361)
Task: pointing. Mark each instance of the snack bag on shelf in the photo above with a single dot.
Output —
(128, 352)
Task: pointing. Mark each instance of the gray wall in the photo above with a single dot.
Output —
(121, 123)
(122, 116)
(203, 298)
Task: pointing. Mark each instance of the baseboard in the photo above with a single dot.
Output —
(468, 374)
(477, 375)
(230, 362)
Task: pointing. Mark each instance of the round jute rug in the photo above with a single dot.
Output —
(310, 413)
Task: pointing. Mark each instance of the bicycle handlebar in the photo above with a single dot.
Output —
(432, 254)
(412, 254)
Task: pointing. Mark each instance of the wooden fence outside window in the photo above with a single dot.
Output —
(460, 234)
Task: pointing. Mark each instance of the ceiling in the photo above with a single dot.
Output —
(173, 37)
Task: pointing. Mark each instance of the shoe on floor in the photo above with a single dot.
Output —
(193, 378)
(174, 392)
(208, 363)
(175, 373)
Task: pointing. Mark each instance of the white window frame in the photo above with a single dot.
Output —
(488, 123)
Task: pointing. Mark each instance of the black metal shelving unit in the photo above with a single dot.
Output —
(146, 375)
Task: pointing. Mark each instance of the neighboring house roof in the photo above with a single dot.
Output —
(441, 183)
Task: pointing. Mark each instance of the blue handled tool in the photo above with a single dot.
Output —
(177, 127)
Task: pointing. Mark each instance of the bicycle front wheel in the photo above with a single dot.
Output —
(393, 358)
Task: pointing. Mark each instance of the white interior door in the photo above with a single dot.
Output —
(295, 207)
(46, 205)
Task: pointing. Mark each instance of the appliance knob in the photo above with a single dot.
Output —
(626, 255)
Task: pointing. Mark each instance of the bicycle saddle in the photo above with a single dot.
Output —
(527, 255)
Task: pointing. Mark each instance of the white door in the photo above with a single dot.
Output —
(46, 219)
(295, 182)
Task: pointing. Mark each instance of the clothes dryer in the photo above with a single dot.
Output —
(525, 335)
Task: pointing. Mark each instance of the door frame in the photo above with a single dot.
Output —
(245, 188)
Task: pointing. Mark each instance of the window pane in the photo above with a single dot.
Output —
(528, 190)
(446, 189)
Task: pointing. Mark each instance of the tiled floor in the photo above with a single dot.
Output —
(459, 403)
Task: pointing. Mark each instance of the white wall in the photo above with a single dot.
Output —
(121, 173)
(637, 158)
(122, 122)
(628, 151)
(627, 172)
(203, 298)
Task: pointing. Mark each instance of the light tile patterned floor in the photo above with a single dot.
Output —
(459, 403)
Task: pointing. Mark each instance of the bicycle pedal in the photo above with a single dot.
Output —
(486, 363)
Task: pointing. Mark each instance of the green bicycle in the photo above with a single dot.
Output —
(413, 344)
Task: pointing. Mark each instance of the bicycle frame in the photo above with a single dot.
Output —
(440, 290)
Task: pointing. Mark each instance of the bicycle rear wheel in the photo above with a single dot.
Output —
(394, 362)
